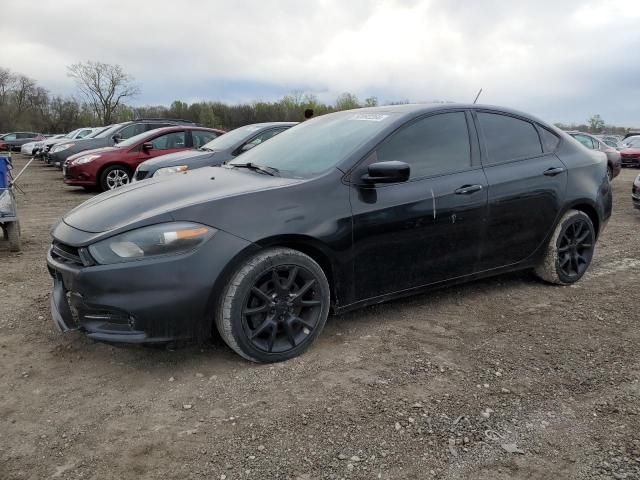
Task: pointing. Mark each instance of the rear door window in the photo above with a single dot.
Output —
(508, 138)
(202, 137)
(434, 145)
(131, 130)
(170, 141)
(586, 141)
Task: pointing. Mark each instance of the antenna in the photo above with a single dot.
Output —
(477, 96)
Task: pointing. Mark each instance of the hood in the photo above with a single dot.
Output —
(172, 159)
(102, 151)
(154, 200)
(87, 143)
(630, 151)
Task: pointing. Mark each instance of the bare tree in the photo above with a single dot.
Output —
(7, 80)
(104, 86)
(24, 91)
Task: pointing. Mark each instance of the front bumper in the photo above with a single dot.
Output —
(57, 159)
(148, 301)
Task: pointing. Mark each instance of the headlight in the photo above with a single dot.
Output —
(636, 182)
(60, 148)
(85, 159)
(169, 170)
(153, 241)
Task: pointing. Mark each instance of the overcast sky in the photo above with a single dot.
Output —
(562, 60)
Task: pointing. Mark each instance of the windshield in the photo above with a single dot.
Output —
(633, 141)
(232, 138)
(315, 146)
(96, 132)
(132, 140)
(71, 134)
(109, 130)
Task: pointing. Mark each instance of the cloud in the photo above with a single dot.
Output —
(561, 60)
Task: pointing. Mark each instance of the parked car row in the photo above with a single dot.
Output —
(157, 150)
(345, 210)
(111, 167)
(593, 143)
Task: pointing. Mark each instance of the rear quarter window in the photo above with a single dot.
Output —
(549, 140)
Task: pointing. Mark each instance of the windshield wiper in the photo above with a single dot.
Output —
(206, 149)
(258, 168)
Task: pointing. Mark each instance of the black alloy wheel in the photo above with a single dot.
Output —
(282, 309)
(274, 306)
(575, 248)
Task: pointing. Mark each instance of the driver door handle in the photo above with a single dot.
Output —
(553, 171)
(468, 189)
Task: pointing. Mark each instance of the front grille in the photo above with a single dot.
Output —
(141, 174)
(69, 255)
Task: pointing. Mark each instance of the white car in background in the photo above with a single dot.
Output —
(31, 147)
(78, 133)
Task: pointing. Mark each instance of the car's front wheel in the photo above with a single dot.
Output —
(274, 306)
(570, 250)
(113, 177)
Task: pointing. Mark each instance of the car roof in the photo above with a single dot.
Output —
(270, 124)
(183, 127)
(416, 109)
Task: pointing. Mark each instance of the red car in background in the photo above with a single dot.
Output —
(111, 167)
(631, 152)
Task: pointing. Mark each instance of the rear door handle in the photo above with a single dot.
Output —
(553, 171)
(468, 189)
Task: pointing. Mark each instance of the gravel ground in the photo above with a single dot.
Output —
(506, 378)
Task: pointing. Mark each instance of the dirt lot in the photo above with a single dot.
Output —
(499, 379)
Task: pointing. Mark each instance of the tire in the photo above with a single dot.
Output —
(114, 177)
(13, 235)
(609, 172)
(565, 260)
(281, 325)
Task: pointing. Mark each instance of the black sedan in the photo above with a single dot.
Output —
(344, 210)
(216, 152)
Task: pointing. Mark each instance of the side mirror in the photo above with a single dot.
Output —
(147, 146)
(117, 138)
(387, 172)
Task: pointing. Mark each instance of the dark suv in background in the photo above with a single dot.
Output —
(15, 140)
(109, 137)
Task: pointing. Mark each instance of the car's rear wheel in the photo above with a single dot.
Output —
(570, 250)
(274, 306)
(114, 177)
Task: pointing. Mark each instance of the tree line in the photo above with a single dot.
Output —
(104, 89)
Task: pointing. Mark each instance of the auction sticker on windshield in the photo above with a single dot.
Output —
(369, 117)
